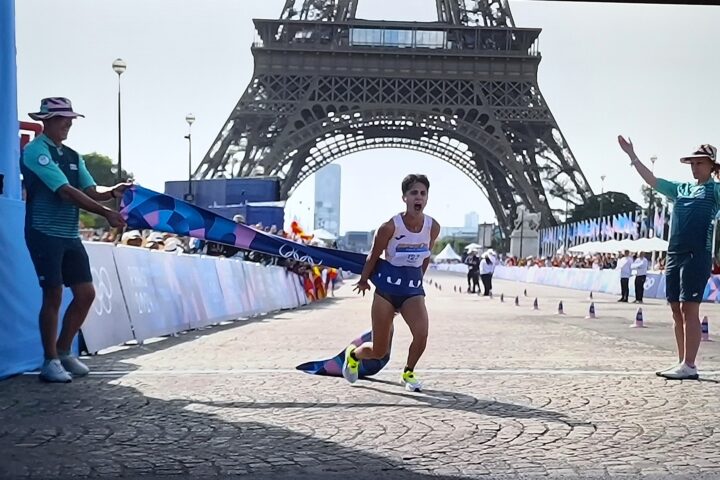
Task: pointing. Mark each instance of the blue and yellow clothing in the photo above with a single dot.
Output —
(47, 167)
(695, 207)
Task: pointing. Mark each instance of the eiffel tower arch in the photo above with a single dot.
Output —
(463, 89)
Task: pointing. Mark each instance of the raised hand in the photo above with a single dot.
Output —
(626, 146)
(361, 287)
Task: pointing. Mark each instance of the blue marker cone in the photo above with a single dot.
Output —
(517, 301)
(535, 304)
(561, 310)
(639, 323)
(591, 311)
(502, 298)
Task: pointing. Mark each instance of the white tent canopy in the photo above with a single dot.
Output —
(447, 254)
(473, 246)
(616, 246)
(587, 247)
(649, 245)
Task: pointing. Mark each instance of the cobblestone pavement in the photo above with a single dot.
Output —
(512, 393)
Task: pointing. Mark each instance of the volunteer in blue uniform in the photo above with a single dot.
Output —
(57, 185)
(689, 256)
(406, 241)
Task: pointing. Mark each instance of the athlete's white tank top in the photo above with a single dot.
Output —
(406, 248)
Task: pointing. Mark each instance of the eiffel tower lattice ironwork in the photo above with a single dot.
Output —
(464, 89)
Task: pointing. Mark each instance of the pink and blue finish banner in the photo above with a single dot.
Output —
(145, 209)
(332, 367)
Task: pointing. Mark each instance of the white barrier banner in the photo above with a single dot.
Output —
(144, 293)
(299, 290)
(212, 293)
(253, 287)
(140, 295)
(232, 286)
(281, 278)
(239, 272)
(169, 318)
(192, 305)
(107, 323)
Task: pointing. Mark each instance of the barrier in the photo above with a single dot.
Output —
(108, 322)
(146, 293)
(606, 281)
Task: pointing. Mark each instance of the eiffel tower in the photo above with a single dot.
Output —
(464, 89)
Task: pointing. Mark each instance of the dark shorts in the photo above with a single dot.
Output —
(396, 301)
(686, 276)
(58, 260)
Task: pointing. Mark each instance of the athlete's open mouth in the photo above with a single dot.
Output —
(418, 207)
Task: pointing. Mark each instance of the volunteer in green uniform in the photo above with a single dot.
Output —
(689, 255)
(57, 185)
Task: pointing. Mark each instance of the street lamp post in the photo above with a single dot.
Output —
(651, 206)
(522, 232)
(119, 66)
(190, 119)
(602, 192)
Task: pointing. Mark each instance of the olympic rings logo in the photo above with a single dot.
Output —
(649, 283)
(103, 291)
(287, 251)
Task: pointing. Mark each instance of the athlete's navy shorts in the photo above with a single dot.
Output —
(57, 260)
(396, 301)
(686, 276)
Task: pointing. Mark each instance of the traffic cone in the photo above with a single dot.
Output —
(638, 319)
(454, 288)
(705, 330)
(590, 297)
(535, 304)
(517, 301)
(591, 311)
(561, 310)
(502, 298)
(525, 292)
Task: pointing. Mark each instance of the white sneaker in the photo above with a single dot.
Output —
(52, 371)
(74, 366)
(660, 372)
(681, 372)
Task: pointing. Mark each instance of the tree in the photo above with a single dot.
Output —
(650, 196)
(103, 171)
(612, 204)
(457, 244)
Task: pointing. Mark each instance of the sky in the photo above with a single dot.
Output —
(647, 71)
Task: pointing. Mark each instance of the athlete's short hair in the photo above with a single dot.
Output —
(412, 179)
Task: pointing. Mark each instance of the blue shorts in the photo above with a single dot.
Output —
(396, 301)
(58, 260)
(686, 276)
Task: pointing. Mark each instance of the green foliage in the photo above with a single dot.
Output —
(102, 169)
(90, 220)
(658, 201)
(457, 244)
